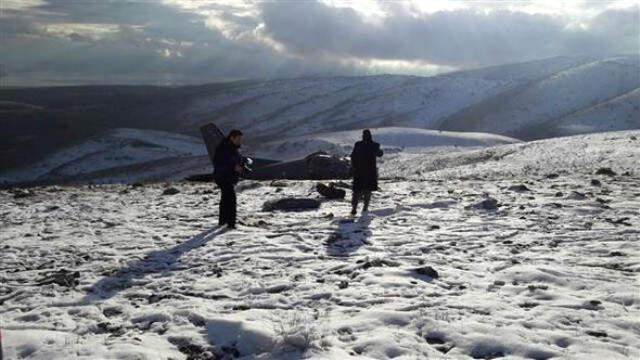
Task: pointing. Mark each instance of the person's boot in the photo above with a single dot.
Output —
(353, 211)
(367, 200)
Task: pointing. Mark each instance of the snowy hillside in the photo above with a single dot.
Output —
(119, 148)
(534, 100)
(528, 110)
(511, 100)
(547, 269)
(393, 139)
(620, 113)
(135, 155)
(574, 154)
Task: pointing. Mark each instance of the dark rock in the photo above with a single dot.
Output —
(595, 302)
(196, 352)
(170, 191)
(434, 340)
(519, 188)
(617, 253)
(291, 204)
(528, 305)
(428, 271)
(21, 194)
(62, 277)
(553, 176)
(486, 204)
(111, 311)
(137, 185)
(366, 264)
(605, 171)
(559, 194)
(597, 333)
(621, 221)
(330, 191)
(596, 182)
(482, 352)
(575, 195)
(343, 284)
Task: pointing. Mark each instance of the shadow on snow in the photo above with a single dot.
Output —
(349, 236)
(153, 262)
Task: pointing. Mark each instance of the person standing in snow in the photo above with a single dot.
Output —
(227, 163)
(365, 171)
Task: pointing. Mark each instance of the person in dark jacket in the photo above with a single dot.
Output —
(227, 163)
(365, 172)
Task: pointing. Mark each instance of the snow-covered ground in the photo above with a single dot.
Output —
(567, 155)
(552, 272)
(395, 139)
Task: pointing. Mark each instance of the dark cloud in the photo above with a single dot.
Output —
(151, 41)
(461, 38)
(148, 41)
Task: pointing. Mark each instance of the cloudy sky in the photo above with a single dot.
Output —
(194, 41)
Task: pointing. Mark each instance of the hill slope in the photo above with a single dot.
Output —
(531, 100)
(542, 104)
(114, 149)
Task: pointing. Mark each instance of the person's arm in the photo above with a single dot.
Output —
(379, 152)
(355, 156)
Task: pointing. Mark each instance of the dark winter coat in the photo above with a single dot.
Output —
(225, 160)
(363, 162)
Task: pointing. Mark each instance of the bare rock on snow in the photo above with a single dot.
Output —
(486, 204)
(576, 195)
(62, 277)
(22, 193)
(291, 204)
(519, 188)
(170, 191)
(330, 191)
(606, 171)
(428, 271)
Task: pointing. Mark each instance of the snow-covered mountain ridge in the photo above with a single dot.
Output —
(513, 100)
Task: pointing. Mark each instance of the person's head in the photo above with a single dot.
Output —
(235, 136)
(366, 135)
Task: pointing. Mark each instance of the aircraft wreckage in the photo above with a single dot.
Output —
(316, 166)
